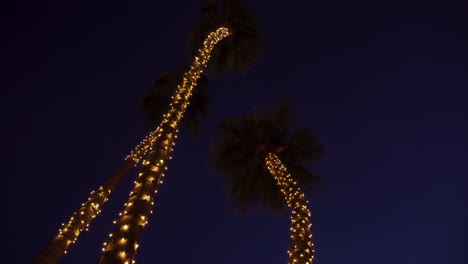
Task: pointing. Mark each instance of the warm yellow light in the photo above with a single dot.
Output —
(300, 224)
(172, 119)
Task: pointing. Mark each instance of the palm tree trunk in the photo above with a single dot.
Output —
(124, 240)
(81, 219)
(300, 248)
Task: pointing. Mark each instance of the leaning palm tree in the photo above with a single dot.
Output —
(81, 219)
(153, 105)
(125, 239)
(262, 165)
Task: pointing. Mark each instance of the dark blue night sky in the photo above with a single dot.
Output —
(382, 83)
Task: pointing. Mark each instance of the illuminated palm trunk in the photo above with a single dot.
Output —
(300, 248)
(123, 243)
(81, 219)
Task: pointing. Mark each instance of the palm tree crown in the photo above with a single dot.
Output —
(237, 52)
(240, 149)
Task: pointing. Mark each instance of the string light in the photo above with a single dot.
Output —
(159, 145)
(70, 232)
(300, 248)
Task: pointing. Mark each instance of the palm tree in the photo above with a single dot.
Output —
(81, 219)
(123, 243)
(252, 149)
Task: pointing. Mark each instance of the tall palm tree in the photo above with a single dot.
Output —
(125, 239)
(81, 219)
(263, 166)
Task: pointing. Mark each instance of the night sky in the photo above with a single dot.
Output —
(382, 83)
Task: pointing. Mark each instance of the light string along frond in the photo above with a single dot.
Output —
(301, 246)
(124, 241)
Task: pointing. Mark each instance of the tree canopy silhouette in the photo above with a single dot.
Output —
(239, 153)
